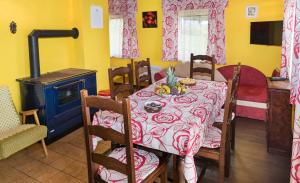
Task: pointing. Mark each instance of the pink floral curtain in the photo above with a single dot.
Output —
(127, 9)
(287, 37)
(216, 27)
(291, 53)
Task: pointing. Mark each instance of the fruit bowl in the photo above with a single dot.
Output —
(152, 106)
(164, 89)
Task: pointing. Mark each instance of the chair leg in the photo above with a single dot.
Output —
(164, 176)
(222, 162)
(44, 147)
(227, 162)
(202, 174)
(232, 138)
(175, 172)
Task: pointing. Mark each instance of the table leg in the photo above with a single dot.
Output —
(178, 169)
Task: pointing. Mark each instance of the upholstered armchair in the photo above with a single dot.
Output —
(14, 134)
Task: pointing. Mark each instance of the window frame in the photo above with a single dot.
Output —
(122, 37)
(190, 14)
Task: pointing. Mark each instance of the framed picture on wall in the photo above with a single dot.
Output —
(150, 19)
(251, 11)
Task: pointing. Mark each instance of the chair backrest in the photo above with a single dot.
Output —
(235, 84)
(8, 115)
(230, 105)
(225, 135)
(201, 70)
(97, 102)
(143, 73)
(120, 88)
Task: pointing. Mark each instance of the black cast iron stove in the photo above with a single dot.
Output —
(55, 94)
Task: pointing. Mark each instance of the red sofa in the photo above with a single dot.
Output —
(252, 92)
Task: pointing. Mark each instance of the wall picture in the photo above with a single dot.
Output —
(251, 11)
(150, 19)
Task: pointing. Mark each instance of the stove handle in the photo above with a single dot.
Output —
(75, 82)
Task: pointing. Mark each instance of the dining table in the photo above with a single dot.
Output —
(179, 128)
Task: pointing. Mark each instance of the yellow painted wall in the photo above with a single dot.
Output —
(264, 58)
(28, 15)
(93, 45)
(239, 49)
(89, 51)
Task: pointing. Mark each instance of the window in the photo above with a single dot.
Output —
(192, 33)
(116, 36)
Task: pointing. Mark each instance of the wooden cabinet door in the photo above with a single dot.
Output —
(279, 132)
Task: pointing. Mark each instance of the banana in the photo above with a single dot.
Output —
(167, 89)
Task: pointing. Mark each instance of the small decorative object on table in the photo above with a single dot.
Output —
(172, 86)
(152, 106)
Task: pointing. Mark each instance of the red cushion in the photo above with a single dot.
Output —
(104, 93)
(252, 93)
(159, 75)
(249, 75)
(145, 163)
(251, 112)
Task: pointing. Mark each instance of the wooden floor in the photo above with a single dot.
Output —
(66, 161)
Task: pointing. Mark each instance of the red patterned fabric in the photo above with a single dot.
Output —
(292, 45)
(212, 138)
(216, 32)
(127, 9)
(220, 116)
(145, 163)
(287, 36)
(179, 127)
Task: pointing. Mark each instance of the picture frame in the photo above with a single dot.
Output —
(149, 19)
(252, 11)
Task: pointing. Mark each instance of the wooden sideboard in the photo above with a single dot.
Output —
(279, 123)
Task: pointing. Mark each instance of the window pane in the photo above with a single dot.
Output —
(192, 33)
(116, 36)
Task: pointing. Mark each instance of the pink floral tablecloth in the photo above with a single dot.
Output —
(179, 128)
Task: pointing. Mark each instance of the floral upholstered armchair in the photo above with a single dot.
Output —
(14, 134)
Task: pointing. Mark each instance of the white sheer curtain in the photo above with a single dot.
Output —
(192, 33)
(116, 36)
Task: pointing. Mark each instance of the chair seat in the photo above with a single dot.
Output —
(15, 130)
(212, 138)
(145, 163)
(18, 138)
(220, 116)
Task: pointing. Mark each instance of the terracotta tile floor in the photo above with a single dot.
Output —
(66, 162)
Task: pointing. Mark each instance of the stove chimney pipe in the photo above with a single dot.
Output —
(34, 45)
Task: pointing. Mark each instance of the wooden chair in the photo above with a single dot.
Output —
(235, 81)
(203, 71)
(140, 76)
(219, 120)
(217, 142)
(16, 134)
(120, 88)
(113, 166)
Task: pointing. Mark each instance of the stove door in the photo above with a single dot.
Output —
(67, 95)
